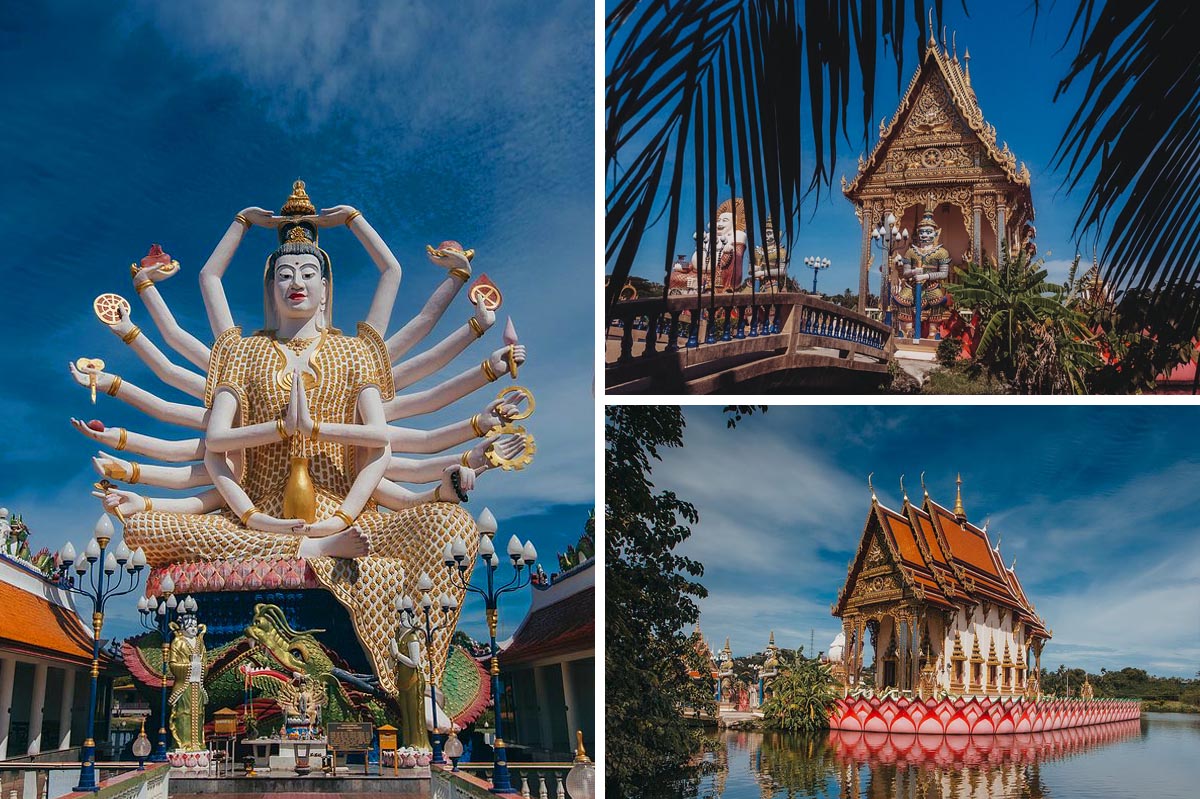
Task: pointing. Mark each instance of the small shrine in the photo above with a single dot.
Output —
(938, 170)
(726, 688)
(943, 614)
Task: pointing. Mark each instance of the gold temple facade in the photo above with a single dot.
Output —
(938, 153)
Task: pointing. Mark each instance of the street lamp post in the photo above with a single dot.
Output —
(454, 557)
(408, 620)
(157, 615)
(886, 236)
(816, 264)
(101, 586)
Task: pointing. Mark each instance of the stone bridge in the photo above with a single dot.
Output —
(743, 343)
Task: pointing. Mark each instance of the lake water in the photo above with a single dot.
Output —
(1156, 757)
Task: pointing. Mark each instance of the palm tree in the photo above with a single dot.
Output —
(1030, 332)
(722, 86)
(731, 87)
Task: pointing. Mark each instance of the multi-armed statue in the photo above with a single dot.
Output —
(296, 456)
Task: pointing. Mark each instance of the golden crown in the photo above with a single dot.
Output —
(299, 235)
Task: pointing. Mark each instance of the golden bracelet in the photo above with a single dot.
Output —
(460, 273)
(464, 459)
(341, 514)
(437, 494)
(242, 219)
(114, 387)
(133, 333)
(149, 504)
(279, 428)
(142, 285)
(316, 431)
(135, 473)
(488, 372)
(122, 440)
(476, 328)
(479, 431)
(245, 517)
(352, 216)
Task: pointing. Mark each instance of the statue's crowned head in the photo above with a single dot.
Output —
(298, 278)
(927, 230)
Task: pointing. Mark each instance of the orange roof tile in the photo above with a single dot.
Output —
(36, 626)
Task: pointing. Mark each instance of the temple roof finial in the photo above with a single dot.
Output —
(959, 512)
(932, 38)
(954, 45)
(771, 641)
(967, 66)
(924, 490)
(902, 491)
(874, 498)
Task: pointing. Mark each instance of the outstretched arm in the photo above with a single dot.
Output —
(428, 470)
(406, 439)
(130, 472)
(129, 503)
(397, 497)
(219, 317)
(406, 373)
(120, 439)
(389, 267)
(419, 327)
(144, 401)
(145, 282)
(455, 388)
(171, 374)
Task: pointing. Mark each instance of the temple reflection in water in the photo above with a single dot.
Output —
(856, 765)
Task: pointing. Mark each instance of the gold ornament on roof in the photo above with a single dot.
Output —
(959, 511)
(298, 203)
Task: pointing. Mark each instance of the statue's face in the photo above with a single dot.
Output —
(926, 235)
(190, 627)
(299, 287)
(725, 226)
(770, 237)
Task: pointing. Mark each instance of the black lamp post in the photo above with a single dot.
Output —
(100, 566)
(454, 556)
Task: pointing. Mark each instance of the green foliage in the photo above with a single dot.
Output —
(1032, 334)
(649, 599)
(582, 550)
(949, 350)
(963, 378)
(1127, 683)
(803, 696)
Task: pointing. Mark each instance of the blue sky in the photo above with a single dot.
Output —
(1015, 69)
(1097, 504)
(138, 122)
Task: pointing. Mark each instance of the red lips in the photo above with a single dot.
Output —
(297, 295)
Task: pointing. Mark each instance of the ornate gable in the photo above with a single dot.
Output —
(937, 132)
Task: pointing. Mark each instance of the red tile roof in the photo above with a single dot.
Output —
(38, 627)
(944, 558)
(557, 629)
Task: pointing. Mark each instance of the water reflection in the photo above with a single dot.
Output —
(855, 765)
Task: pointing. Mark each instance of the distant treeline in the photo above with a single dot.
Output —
(1128, 683)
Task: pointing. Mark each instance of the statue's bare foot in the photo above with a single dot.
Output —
(350, 543)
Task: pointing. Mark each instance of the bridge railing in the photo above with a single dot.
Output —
(671, 324)
(670, 344)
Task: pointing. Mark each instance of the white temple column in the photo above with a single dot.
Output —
(1001, 230)
(977, 239)
(569, 700)
(64, 709)
(8, 670)
(37, 709)
(864, 275)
